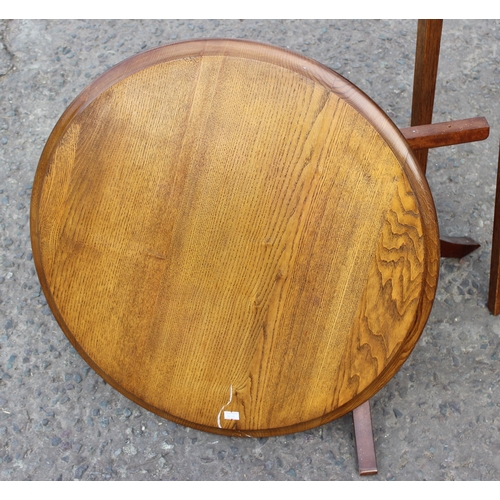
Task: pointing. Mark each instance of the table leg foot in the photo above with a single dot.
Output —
(457, 247)
(363, 436)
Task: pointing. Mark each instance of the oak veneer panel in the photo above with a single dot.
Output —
(225, 226)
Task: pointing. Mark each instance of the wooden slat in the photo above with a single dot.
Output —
(447, 133)
(494, 291)
(424, 81)
(363, 434)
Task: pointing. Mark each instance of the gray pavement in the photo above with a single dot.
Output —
(437, 419)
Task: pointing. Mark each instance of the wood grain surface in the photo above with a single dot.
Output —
(235, 237)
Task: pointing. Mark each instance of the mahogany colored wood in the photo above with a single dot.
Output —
(424, 81)
(437, 135)
(494, 289)
(447, 134)
(422, 135)
(235, 237)
(363, 435)
(457, 247)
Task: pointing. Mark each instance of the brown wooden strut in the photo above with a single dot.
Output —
(424, 80)
(437, 135)
(494, 290)
(363, 436)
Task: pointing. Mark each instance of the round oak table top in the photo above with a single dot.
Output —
(235, 237)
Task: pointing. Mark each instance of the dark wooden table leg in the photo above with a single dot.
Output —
(424, 80)
(363, 435)
(494, 292)
(424, 87)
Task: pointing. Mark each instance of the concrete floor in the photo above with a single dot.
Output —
(437, 419)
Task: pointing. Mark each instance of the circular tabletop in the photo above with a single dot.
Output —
(235, 237)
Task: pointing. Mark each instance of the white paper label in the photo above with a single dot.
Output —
(232, 415)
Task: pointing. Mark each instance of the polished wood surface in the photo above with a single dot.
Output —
(457, 247)
(437, 135)
(235, 237)
(425, 76)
